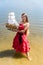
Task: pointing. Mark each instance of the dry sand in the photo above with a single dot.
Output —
(7, 56)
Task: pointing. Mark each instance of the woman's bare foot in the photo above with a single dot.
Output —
(29, 58)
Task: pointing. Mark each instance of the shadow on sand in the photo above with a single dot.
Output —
(10, 53)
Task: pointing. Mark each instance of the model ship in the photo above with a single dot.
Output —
(12, 23)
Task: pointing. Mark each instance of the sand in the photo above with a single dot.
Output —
(7, 56)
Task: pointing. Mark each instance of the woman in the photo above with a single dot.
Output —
(20, 42)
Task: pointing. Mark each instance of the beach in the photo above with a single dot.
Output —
(34, 12)
(7, 56)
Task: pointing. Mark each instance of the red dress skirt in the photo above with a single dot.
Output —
(20, 42)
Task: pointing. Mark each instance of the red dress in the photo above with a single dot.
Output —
(20, 42)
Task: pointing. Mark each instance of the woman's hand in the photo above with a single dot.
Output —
(21, 31)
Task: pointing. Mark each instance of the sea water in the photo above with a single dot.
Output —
(34, 10)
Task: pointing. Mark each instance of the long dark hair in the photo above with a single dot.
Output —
(24, 14)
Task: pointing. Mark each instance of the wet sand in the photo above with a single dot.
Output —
(7, 56)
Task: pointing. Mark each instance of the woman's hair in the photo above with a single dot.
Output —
(24, 14)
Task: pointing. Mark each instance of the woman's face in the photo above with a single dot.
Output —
(23, 18)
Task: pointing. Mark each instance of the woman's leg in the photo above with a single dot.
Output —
(29, 58)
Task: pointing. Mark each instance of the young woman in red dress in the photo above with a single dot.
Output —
(20, 42)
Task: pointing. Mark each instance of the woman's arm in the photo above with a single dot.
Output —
(26, 25)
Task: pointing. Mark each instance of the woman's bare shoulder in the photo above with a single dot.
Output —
(26, 24)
